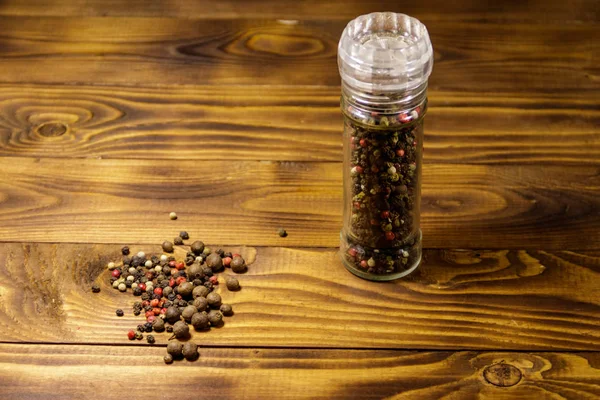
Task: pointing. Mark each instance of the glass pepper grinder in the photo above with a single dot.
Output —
(385, 60)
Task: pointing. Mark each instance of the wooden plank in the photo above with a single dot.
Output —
(470, 57)
(526, 300)
(576, 10)
(32, 371)
(112, 201)
(283, 124)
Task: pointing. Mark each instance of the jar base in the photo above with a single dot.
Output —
(379, 278)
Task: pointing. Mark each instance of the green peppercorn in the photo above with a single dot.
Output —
(168, 359)
(185, 289)
(190, 351)
(173, 314)
(206, 251)
(215, 262)
(200, 291)
(178, 241)
(173, 216)
(282, 232)
(174, 348)
(167, 246)
(201, 303)
(215, 317)
(188, 312)
(138, 335)
(226, 310)
(214, 299)
(238, 265)
(197, 247)
(200, 321)
(180, 330)
(232, 283)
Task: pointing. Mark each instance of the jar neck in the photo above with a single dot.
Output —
(388, 103)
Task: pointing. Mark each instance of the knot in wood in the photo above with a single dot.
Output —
(502, 375)
(52, 129)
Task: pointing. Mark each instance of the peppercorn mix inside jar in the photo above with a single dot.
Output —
(385, 60)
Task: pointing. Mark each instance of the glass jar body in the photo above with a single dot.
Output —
(383, 147)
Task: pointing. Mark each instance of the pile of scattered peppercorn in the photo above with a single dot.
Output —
(176, 294)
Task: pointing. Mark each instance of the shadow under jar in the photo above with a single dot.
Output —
(385, 60)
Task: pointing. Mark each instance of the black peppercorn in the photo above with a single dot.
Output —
(197, 282)
(281, 232)
(172, 296)
(95, 288)
(232, 283)
(169, 329)
(215, 317)
(150, 339)
(214, 299)
(226, 310)
(173, 314)
(200, 320)
(119, 312)
(238, 265)
(184, 235)
(197, 247)
(174, 349)
(177, 241)
(200, 291)
(185, 289)
(228, 254)
(189, 261)
(215, 262)
(126, 261)
(180, 330)
(141, 328)
(148, 326)
(137, 291)
(201, 303)
(187, 312)
(220, 252)
(190, 351)
(125, 250)
(208, 285)
(167, 246)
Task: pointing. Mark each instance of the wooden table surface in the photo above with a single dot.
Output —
(114, 113)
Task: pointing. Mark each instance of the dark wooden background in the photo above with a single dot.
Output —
(114, 113)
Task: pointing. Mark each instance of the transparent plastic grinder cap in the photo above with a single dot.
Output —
(385, 52)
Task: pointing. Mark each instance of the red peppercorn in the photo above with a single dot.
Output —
(179, 297)
(149, 313)
(180, 265)
(400, 152)
(163, 310)
(180, 280)
(356, 205)
(390, 235)
(171, 282)
(172, 264)
(116, 273)
(131, 335)
(353, 140)
(214, 280)
(374, 168)
(363, 143)
(385, 214)
(359, 169)
(158, 291)
(149, 275)
(226, 261)
(234, 255)
(404, 118)
(154, 303)
(418, 110)
(374, 222)
(145, 303)
(364, 264)
(156, 310)
(374, 113)
(352, 252)
(414, 143)
(150, 318)
(142, 287)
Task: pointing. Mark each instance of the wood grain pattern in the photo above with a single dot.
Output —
(463, 206)
(531, 11)
(32, 371)
(528, 300)
(470, 57)
(281, 124)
